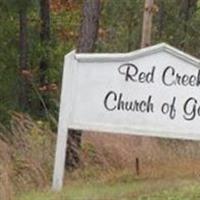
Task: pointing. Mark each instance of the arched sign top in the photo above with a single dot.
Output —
(154, 91)
(110, 57)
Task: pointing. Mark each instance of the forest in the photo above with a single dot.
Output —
(35, 35)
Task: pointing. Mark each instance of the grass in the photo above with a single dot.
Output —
(178, 189)
(107, 166)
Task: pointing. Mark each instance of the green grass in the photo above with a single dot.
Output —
(133, 190)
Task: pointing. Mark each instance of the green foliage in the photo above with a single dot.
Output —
(16, 5)
(120, 31)
(122, 21)
(135, 190)
(61, 22)
(176, 29)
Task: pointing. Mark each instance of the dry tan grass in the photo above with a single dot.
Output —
(157, 157)
(6, 185)
(26, 154)
(27, 151)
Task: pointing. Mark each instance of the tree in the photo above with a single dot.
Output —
(120, 29)
(161, 17)
(45, 39)
(86, 43)
(187, 9)
(21, 8)
(23, 56)
(23, 45)
(89, 26)
(147, 23)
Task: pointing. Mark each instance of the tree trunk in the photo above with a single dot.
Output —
(161, 18)
(86, 43)
(45, 39)
(130, 26)
(23, 58)
(147, 23)
(89, 26)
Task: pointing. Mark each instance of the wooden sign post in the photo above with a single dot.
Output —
(154, 91)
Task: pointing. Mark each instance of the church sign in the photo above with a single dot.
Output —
(154, 91)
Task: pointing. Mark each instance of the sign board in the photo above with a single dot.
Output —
(154, 91)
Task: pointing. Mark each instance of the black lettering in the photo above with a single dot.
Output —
(185, 80)
(141, 77)
(114, 101)
(149, 105)
(150, 76)
(172, 113)
(192, 80)
(198, 78)
(129, 71)
(170, 70)
(120, 103)
(113, 97)
(190, 108)
(143, 106)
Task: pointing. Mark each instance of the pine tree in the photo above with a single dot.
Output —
(45, 40)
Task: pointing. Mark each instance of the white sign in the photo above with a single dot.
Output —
(153, 92)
